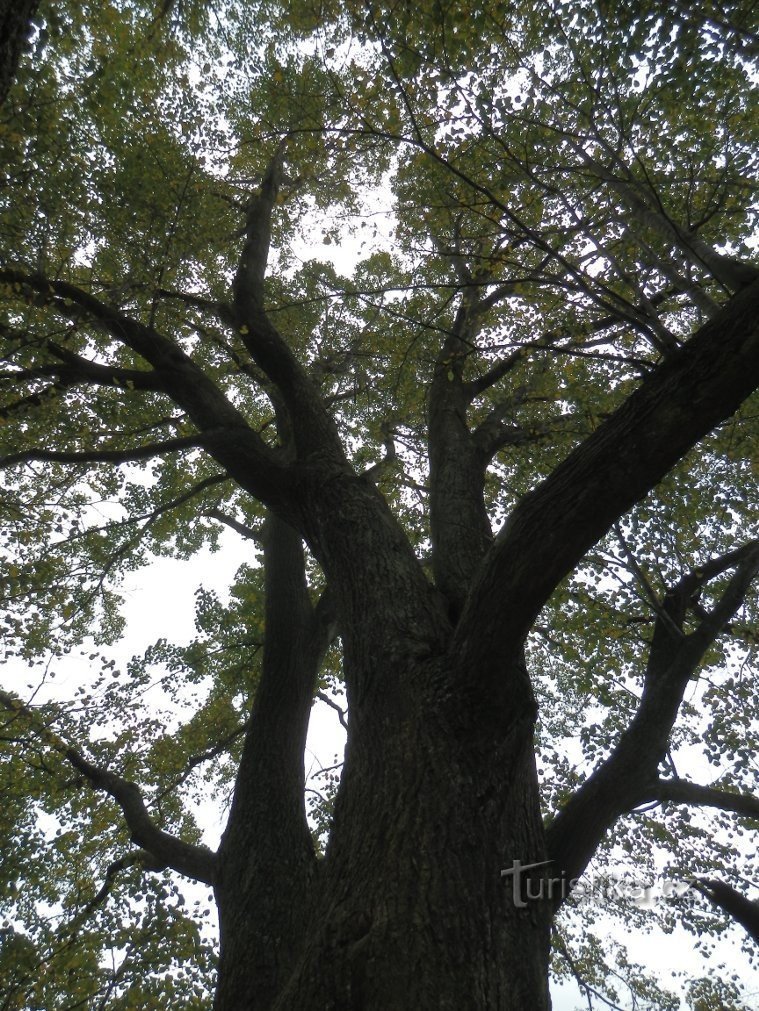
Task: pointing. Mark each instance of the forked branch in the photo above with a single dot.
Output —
(196, 862)
(165, 850)
(629, 776)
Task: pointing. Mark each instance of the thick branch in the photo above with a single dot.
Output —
(733, 903)
(228, 436)
(681, 791)
(73, 370)
(387, 463)
(550, 530)
(249, 533)
(15, 29)
(313, 428)
(459, 525)
(266, 858)
(629, 776)
(196, 862)
(502, 367)
(114, 456)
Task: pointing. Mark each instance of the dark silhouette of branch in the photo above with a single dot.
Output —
(249, 533)
(165, 850)
(229, 437)
(550, 530)
(194, 761)
(743, 910)
(681, 791)
(629, 776)
(114, 456)
(196, 862)
(323, 697)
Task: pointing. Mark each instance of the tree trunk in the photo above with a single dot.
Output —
(409, 908)
(15, 28)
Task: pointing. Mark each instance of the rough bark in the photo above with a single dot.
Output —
(15, 29)
(411, 910)
(408, 908)
(266, 861)
(459, 526)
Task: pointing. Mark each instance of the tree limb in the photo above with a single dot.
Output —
(313, 428)
(733, 903)
(681, 791)
(249, 533)
(323, 697)
(549, 531)
(229, 437)
(115, 456)
(74, 369)
(477, 386)
(629, 776)
(272, 871)
(196, 862)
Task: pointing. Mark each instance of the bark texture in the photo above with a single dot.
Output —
(15, 29)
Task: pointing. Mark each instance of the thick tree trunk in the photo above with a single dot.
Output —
(15, 28)
(266, 861)
(409, 908)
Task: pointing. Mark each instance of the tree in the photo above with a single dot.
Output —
(499, 482)
(15, 20)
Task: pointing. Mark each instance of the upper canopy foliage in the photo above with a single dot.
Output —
(536, 204)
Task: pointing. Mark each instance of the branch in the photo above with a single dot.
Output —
(496, 432)
(115, 456)
(733, 903)
(323, 697)
(73, 369)
(167, 850)
(629, 776)
(229, 437)
(152, 517)
(501, 368)
(139, 857)
(89, 371)
(747, 559)
(15, 29)
(248, 283)
(193, 761)
(313, 428)
(549, 531)
(733, 274)
(196, 862)
(681, 791)
(580, 980)
(219, 309)
(387, 462)
(548, 343)
(272, 871)
(249, 533)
